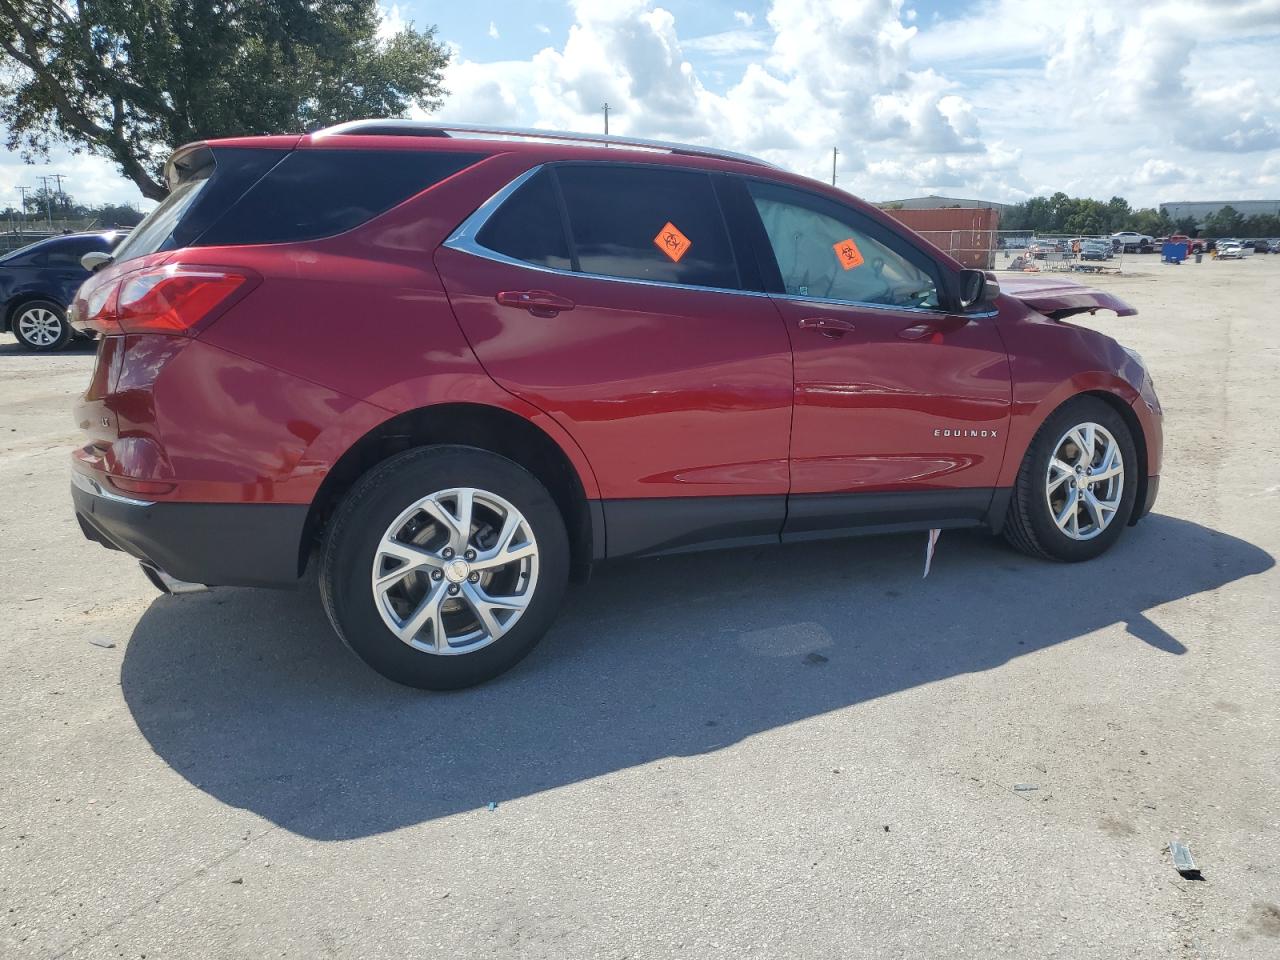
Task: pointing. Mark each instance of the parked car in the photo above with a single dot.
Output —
(37, 283)
(1274, 246)
(1261, 246)
(1133, 242)
(451, 371)
(1095, 250)
(1230, 250)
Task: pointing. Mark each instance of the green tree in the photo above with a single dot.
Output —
(1226, 222)
(132, 79)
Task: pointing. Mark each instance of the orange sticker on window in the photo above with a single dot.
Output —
(672, 242)
(848, 254)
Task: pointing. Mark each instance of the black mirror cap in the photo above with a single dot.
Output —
(978, 289)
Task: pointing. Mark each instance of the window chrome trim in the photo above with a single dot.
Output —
(94, 488)
(463, 240)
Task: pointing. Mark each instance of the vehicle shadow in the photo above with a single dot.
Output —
(249, 696)
(9, 347)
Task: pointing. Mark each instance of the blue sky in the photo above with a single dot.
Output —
(999, 99)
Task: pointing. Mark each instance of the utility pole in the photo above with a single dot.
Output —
(834, 153)
(62, 197)
(23, 191)
(606, 119)
(48, 208)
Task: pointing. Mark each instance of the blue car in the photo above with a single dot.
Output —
(38, 282)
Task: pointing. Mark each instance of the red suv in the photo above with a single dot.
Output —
(456, 366)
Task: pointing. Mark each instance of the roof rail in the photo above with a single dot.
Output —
(428, 128)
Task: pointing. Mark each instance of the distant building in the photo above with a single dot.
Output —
(1202, 210)
(935, 202)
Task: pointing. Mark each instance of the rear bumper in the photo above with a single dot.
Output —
(219, 544)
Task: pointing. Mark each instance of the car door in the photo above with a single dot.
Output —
(901, 400)
(609, 296)
(63, 271)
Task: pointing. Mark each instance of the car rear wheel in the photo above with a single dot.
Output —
(444, 566)
(1076, 487)
(41, 325)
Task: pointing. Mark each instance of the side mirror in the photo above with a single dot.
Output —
(978, 289)
(94, 259)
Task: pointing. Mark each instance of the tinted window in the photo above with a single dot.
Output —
(826, 250)
(67, 253)
(30, 255)
(528, 226)
(647, 223)
(152, 233)
(319, 193)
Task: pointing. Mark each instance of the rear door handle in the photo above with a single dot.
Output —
(541, 303)
(827, 326)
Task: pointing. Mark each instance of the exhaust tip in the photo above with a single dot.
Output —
(170, 585)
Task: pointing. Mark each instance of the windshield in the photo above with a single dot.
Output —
(151, 234)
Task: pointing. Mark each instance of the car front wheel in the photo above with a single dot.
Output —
(1076, 487)
(444, 566)
(41, 325)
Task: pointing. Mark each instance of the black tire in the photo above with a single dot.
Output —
(1029, 524)
(374, 504)
(41, 308)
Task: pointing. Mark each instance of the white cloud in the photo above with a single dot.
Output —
(390, 22)
(493, 31)
(825, 73)
(542, 28)
(744, 18)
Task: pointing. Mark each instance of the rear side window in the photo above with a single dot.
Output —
(528, 226)
(67, 253)
(647, 223)
(319, 193)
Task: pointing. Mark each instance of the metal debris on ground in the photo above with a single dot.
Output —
(928, 550)
(493, 805)
(1182, 860)
(1023, 787)
(102, 642)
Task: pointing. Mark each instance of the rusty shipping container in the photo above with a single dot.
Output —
(968, 234)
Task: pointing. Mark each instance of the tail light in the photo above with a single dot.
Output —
(176, 299)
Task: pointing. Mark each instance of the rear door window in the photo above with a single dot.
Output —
(528, 226)
(647, 223)
(66, 254)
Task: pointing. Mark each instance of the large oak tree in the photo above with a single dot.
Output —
(132, 79)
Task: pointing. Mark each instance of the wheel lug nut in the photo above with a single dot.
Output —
(447, 553)
(453, 589)
(470, 554)
(474, 578)
(437, 575)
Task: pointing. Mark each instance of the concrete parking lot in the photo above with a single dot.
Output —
(802, 752)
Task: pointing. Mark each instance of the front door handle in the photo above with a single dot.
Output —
(827, 326)
(541, 303)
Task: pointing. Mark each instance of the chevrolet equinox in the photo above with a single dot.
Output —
(454, 366)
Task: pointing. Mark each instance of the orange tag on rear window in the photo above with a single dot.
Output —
(848, 254)
(672, 242)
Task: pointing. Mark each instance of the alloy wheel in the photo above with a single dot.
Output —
(39, 326)
(1084, 482)
(455, 571)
